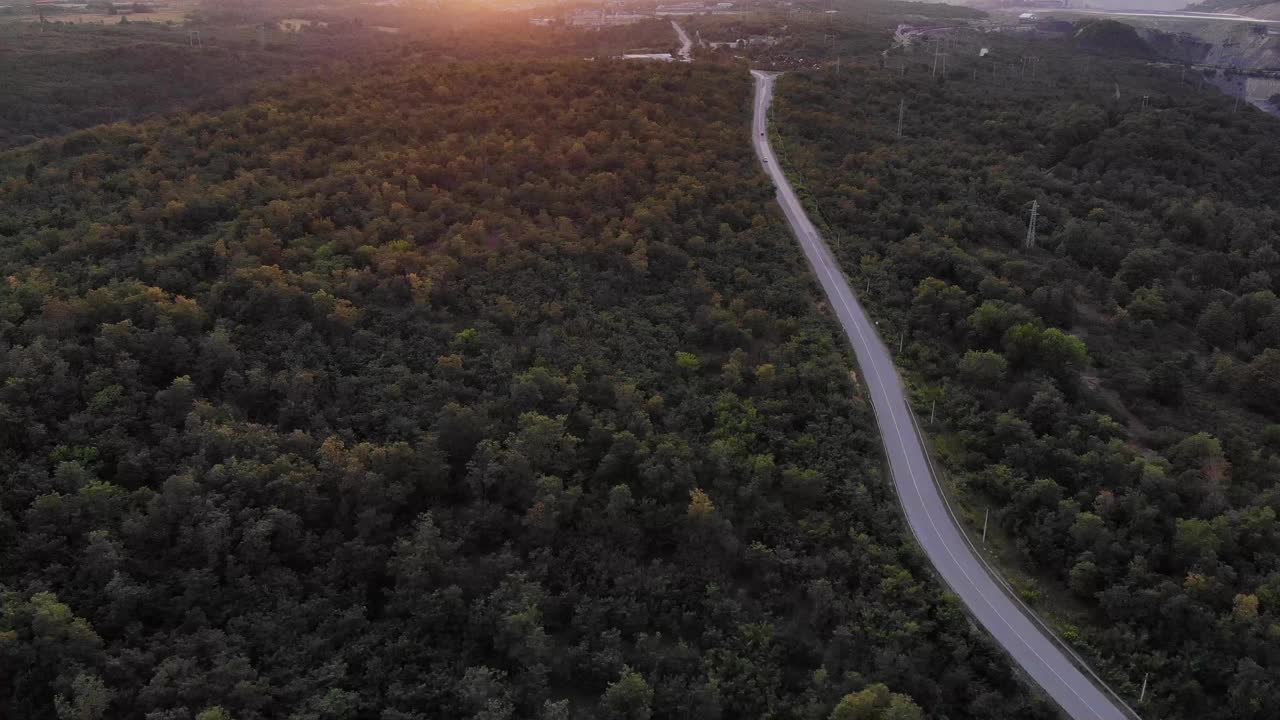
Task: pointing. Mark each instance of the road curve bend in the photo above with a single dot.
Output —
(933, 525)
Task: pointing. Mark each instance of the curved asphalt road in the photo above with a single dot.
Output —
(686, 45)
(926, 511)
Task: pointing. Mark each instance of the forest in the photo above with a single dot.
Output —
(1110, 389)
(63, 76)
(475, 390)
(60, 76)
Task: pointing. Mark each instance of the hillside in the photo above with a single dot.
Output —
(471, 391)
(64, 76)
(1111, 38)
(1111, 394)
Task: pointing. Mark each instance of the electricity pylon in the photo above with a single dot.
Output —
(1031, 226)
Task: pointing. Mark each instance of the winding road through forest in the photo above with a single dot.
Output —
(1023, 636)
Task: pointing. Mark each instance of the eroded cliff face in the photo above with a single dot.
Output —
(1264, 92)
(1240, 58)
(1244, 46)
(1260, 10)
(1239, 45)
(1245, 54)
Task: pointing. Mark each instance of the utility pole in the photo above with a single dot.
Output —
(985, 517)
(937, 49)
(1236, 107)
(932, 406)
(902, 336)
(902, 109)
(1143, 695)
(1031, 226)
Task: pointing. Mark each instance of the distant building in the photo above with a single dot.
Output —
(600, 18)
(684, 8)
(662, 57)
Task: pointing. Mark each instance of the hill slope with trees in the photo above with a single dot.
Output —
(476, 391)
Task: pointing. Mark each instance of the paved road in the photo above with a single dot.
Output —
(926, 511)
(686, 45)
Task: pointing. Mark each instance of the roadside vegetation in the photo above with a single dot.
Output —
(1112, 393)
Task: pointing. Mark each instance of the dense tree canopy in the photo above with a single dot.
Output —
(447, 391)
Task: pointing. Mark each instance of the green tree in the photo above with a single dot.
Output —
(983, 368)
(1217, 326)
(89, 699)
(627, 698)
(1148, 304)
(993, 318)
(1262, 384)
(876, 702)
